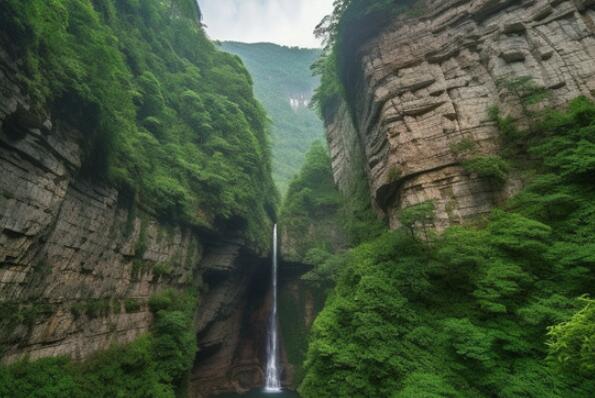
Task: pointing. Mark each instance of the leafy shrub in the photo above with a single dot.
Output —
(463, 147)
(50, 377)
(572, 343)
(426, 385)
(132, 306)
(162, 269)
(527, 92)
(394, 173)
(421, 214)
(492, 168)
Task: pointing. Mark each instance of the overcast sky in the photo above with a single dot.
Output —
(288, 22)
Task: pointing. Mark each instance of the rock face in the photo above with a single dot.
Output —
(299, 304)
(427, 82)
(232, 323)
(79, 262)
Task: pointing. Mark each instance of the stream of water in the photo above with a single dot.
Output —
(273, 372)
(273, 379)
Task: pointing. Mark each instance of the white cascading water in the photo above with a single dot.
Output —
(273, 382)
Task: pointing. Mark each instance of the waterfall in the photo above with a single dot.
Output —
(273, 382)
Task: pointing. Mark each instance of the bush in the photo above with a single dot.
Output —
(572, 343)
(132, 306)
(421, 214)
(162, 269)
(463, 147)
(492, 168)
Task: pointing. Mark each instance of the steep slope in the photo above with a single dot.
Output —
(283, 82)
(134, 159)
(475, 119)
(424, 85)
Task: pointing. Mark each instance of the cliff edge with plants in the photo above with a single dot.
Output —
(135, 162)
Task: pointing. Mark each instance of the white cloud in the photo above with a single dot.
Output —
(288, 22)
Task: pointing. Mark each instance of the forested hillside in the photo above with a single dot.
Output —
(282, 74)
(168, 117)
(501, 306)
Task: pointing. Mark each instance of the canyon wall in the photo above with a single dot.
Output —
(426, 83)
(79, 260)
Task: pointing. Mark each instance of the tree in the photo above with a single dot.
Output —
(572, 343)
(421, 214)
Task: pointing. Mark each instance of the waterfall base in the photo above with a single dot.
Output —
(262, 393)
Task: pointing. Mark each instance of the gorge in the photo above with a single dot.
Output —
(439, 244)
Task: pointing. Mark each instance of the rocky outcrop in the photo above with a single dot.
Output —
(77, 265)
(232, 323)
(79, 260)
(345, 148)
(427, 82)
(299, 304)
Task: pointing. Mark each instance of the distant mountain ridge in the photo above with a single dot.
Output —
(285, 89)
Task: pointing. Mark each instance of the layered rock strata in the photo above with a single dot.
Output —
(426, 84)
(232, 323)
(79, 260)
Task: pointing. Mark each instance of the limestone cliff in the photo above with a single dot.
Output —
(427, 82)
(79, 260)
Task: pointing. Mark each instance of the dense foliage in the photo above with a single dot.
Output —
(281, 73)
(321, 222)
(309, 212)
(165, 115)
(482, 311)
(155, 365)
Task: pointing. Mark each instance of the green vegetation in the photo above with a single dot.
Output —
(479, 311)
(155, 365)
(132, 305)
(164, 115)
(162, 269)
(492, 168)
(318, 224)
(310, 211)
(13, 315)
(418, 216)
(572, 343)
(281, 73)
(528, 94)
(92, 308)
(463, 147)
